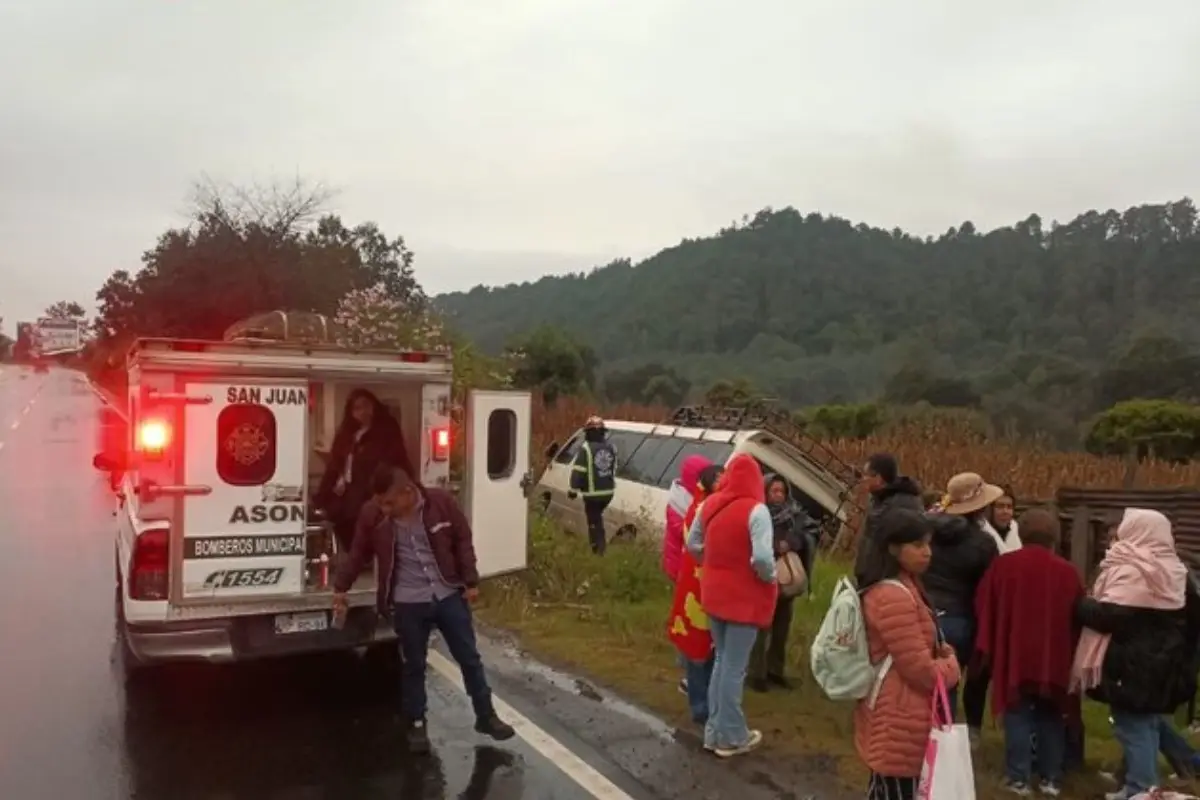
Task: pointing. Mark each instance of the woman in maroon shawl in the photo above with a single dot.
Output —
(1025, 605)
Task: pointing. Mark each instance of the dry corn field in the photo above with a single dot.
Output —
(929, 451)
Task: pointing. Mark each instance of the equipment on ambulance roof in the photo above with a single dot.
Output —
(284, 326)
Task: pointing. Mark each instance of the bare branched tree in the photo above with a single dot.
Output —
(280, 206)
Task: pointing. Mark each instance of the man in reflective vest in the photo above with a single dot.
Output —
(594, 476)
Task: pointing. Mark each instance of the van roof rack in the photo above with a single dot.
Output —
(778, 422)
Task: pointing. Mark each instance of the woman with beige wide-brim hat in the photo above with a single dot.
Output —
(964, 545)
(968, 495)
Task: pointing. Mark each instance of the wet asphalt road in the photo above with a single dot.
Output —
(297, 729)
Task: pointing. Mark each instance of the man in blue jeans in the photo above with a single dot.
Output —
(425, 559)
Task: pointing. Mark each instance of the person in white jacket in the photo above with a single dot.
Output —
(1002, 523)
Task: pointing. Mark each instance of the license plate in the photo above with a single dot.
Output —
(301, 623)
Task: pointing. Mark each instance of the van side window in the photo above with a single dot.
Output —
(650, 461)
(716, 452)
(626, 443)
(566, 453)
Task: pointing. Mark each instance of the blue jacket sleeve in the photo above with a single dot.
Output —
(762, 543)
(695, 539)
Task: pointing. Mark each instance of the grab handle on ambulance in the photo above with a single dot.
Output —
(148, 490)
(177, 397)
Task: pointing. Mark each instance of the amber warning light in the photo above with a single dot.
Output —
(441, 444)
(153, 436)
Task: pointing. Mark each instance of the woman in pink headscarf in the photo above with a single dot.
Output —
(1137, 648)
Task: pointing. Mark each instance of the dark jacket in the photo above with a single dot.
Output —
(594, 470)
(903, 492)
(375, 539)
(793, 525)
(962, 552)
(383, 443)
(1148, 667)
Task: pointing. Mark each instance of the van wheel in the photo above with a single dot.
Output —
(626, 533)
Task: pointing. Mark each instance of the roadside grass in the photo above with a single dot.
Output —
(605, 618)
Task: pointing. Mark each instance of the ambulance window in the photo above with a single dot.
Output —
(246, 444)
(501, 443)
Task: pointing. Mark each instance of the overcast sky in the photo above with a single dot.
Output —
(509, 138)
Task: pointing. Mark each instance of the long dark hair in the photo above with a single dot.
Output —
(380, 416)
(897, 526)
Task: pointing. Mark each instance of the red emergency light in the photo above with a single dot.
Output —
(441, 444)
(153, 437)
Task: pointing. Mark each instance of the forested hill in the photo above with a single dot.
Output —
(818, 309)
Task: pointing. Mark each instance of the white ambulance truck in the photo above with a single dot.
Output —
(219, 556)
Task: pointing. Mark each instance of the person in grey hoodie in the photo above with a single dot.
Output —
(794, 531)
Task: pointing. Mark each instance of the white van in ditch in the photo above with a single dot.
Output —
(218, 554)
(649, 458)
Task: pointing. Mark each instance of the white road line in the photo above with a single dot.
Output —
(555, 751)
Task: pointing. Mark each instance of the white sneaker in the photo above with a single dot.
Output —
(754, 741)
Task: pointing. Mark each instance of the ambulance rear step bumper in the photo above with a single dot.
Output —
(247, 638)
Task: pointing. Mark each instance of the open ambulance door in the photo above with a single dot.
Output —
(498, 429)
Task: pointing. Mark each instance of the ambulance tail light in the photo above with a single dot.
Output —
(153, 437)
(148, 570)
(441, 444)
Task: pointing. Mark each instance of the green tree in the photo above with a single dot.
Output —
(664, 390)
(246, 251)
(66, 309)
(857, 421)
(1154, 365)
(552, 362)
(918, 384)
(639, 384)
(1147, 429)
(819, 310)
(737, 392)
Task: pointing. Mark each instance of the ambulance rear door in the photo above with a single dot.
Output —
(243, 500)
(498, 427)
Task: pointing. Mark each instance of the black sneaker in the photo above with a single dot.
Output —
(780, 681)
(418, 738)
(758, 684)
(494, 727)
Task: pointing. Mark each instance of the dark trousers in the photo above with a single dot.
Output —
(593, 510)
(1027, 717)
(770, 648)
(975, 693)
(452, 617)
